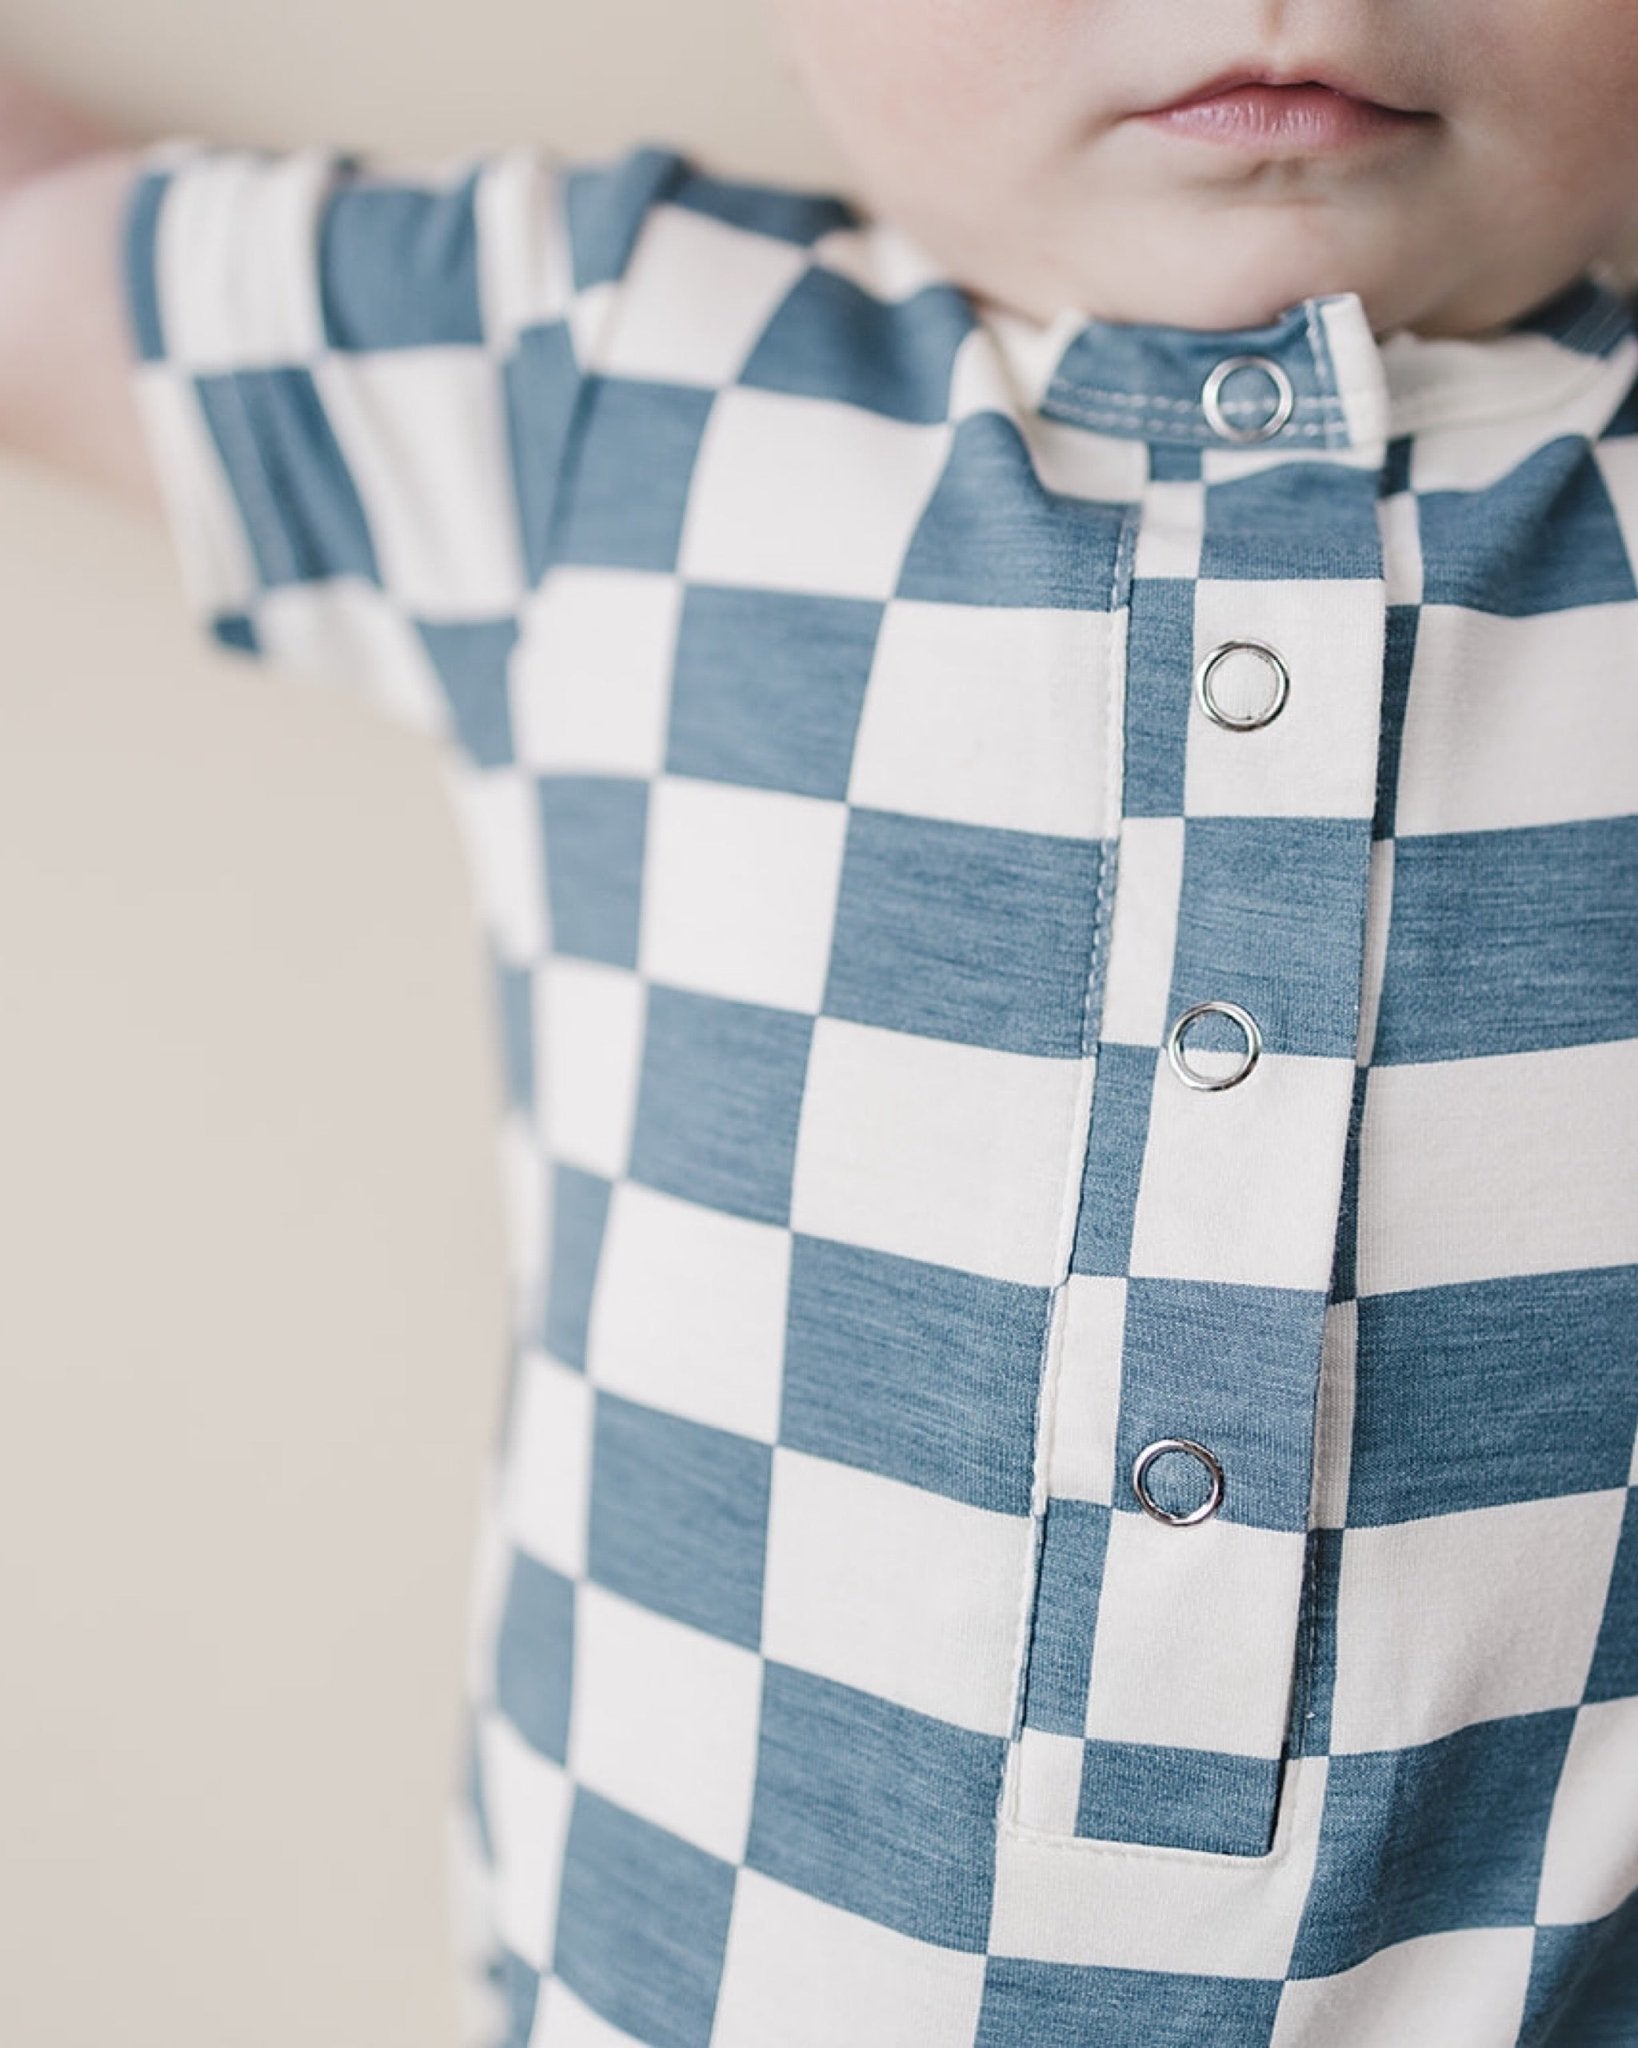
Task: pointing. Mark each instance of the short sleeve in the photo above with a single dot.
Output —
(356, 378)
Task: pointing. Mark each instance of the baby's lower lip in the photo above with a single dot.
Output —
(1295, 118)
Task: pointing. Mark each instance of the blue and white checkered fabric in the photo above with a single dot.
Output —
(813, 656)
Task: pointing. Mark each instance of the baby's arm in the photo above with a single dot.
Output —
(65, 385)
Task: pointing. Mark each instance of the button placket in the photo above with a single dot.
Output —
(1214, 1006)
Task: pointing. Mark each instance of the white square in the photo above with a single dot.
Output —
(1480, 753)
(564, 2021)
(1069, 459)
(1510, 386)
(1196, 1635)
(1334, 1419)
(1143, 931)
(991, 716)
(936, 1150)
(1401, 529)
(696, 297)
(1127, 1906)
(739, 891)
(526, 1801)
(236, 258)
(1460, 1990)
(1591, 1864)
(1557, 1130)
(1469, 1617)
(423, 432)
(591, 675)
(526, 1205)
(810, 1975)
(588, 1052)
(497, 819)
(1241, 1184)
(1317, 759)
(524, 259)
(806, 494)
(689, 1313)
(548, 1463)
(1091, 1321)
(664, 1720)
(1173, 522)
(1044, 1780)
(348, 633)
(893, 1589)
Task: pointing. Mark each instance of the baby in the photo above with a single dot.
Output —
(1050, 756)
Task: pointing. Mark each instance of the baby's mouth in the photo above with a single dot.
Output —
(1296, 117)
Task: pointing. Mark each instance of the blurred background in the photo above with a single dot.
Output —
(252, 1282)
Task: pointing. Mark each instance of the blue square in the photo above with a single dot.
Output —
(542, 387)
(1517, 940)
(642, 1921)
(1396, 466)
(1584, 1984)
(1123, 1083)
(1398, 657)
(1297, 885)
(514, 1017)
(876, 1808)
(1178, 1798)
(235, 630)
(1523, 1390)
(518, 1987)
(1314, 519)
(626, 485)
(1075, 2005)
(593, 829)
(472, 658)
(1614, 1673)
(1173, 462)
(296, 496)
(767, 687)
(138, 247)
(994, 534)
(1159, 671)
(964, 932)
(718, 1102)
(534, 1655)
(1069, 1579)
(919, 1372)
(607, 205)
(782, 215)
(830, 339)
(679, 1517)
(1545, 538)
(1234, 1368)
(580, 1208)
(1421, 1841)
(398, 266)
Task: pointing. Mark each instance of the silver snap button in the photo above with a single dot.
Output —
(1247, 721)
(1214, 1475)
(1192, 1075)
(1217, 411)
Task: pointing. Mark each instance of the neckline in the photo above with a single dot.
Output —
(1348, 388)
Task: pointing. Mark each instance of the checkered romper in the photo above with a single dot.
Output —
(1064, 909)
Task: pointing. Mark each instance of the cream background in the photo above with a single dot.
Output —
(250, 1238)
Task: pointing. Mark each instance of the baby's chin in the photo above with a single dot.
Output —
(1174, 266)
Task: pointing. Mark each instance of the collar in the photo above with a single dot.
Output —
(1317, 378)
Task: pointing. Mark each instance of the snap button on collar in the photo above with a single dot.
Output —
(1261, 417)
